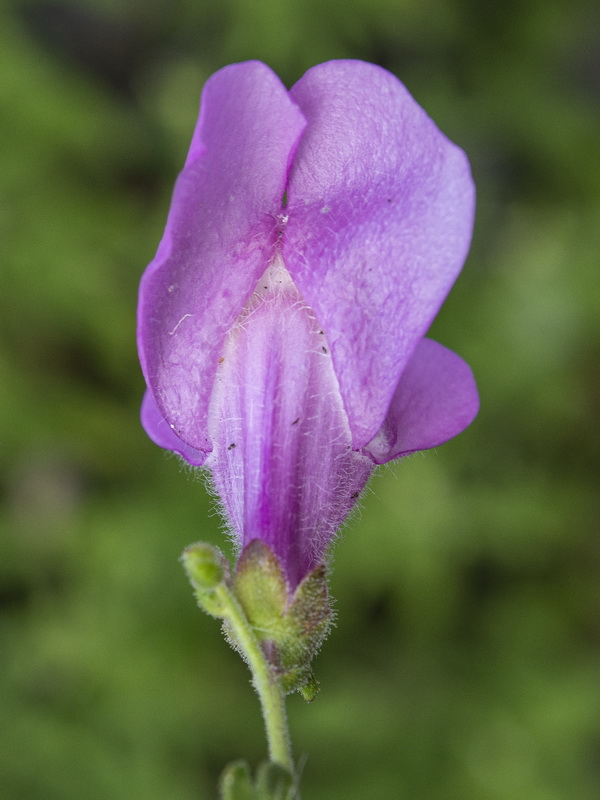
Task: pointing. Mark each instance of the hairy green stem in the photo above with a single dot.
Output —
(268, 688)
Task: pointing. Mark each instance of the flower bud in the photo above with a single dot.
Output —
(204, 564)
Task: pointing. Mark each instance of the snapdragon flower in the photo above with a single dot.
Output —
(312, 237)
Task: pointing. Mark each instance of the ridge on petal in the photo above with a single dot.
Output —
(220, 235)
(282, 464)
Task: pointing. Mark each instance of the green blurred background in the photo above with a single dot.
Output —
(464, 665)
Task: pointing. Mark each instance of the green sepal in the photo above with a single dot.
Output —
(273, 782)
(289, 629)
(310, 689)
(308, 621)
(261, 588)
(208, 571)
(236, 782)
(310, 615)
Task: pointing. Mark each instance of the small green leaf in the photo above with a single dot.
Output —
(273, 782)
(236, 783)
(310, 689)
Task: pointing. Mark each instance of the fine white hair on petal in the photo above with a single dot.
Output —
(282, 460)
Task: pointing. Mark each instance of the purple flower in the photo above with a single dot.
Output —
(312, 237)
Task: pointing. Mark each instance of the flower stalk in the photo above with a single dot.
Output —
(277, 632)
(265, 681)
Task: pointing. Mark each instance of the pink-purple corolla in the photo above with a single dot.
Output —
(312, 237)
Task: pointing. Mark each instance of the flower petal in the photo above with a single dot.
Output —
(380, 209)
(435, 400)
(161, 433)
(282, 463)
(220, 236)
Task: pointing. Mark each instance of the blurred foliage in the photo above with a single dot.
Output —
(465, 661)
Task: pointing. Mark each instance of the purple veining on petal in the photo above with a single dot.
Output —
(282, 461)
